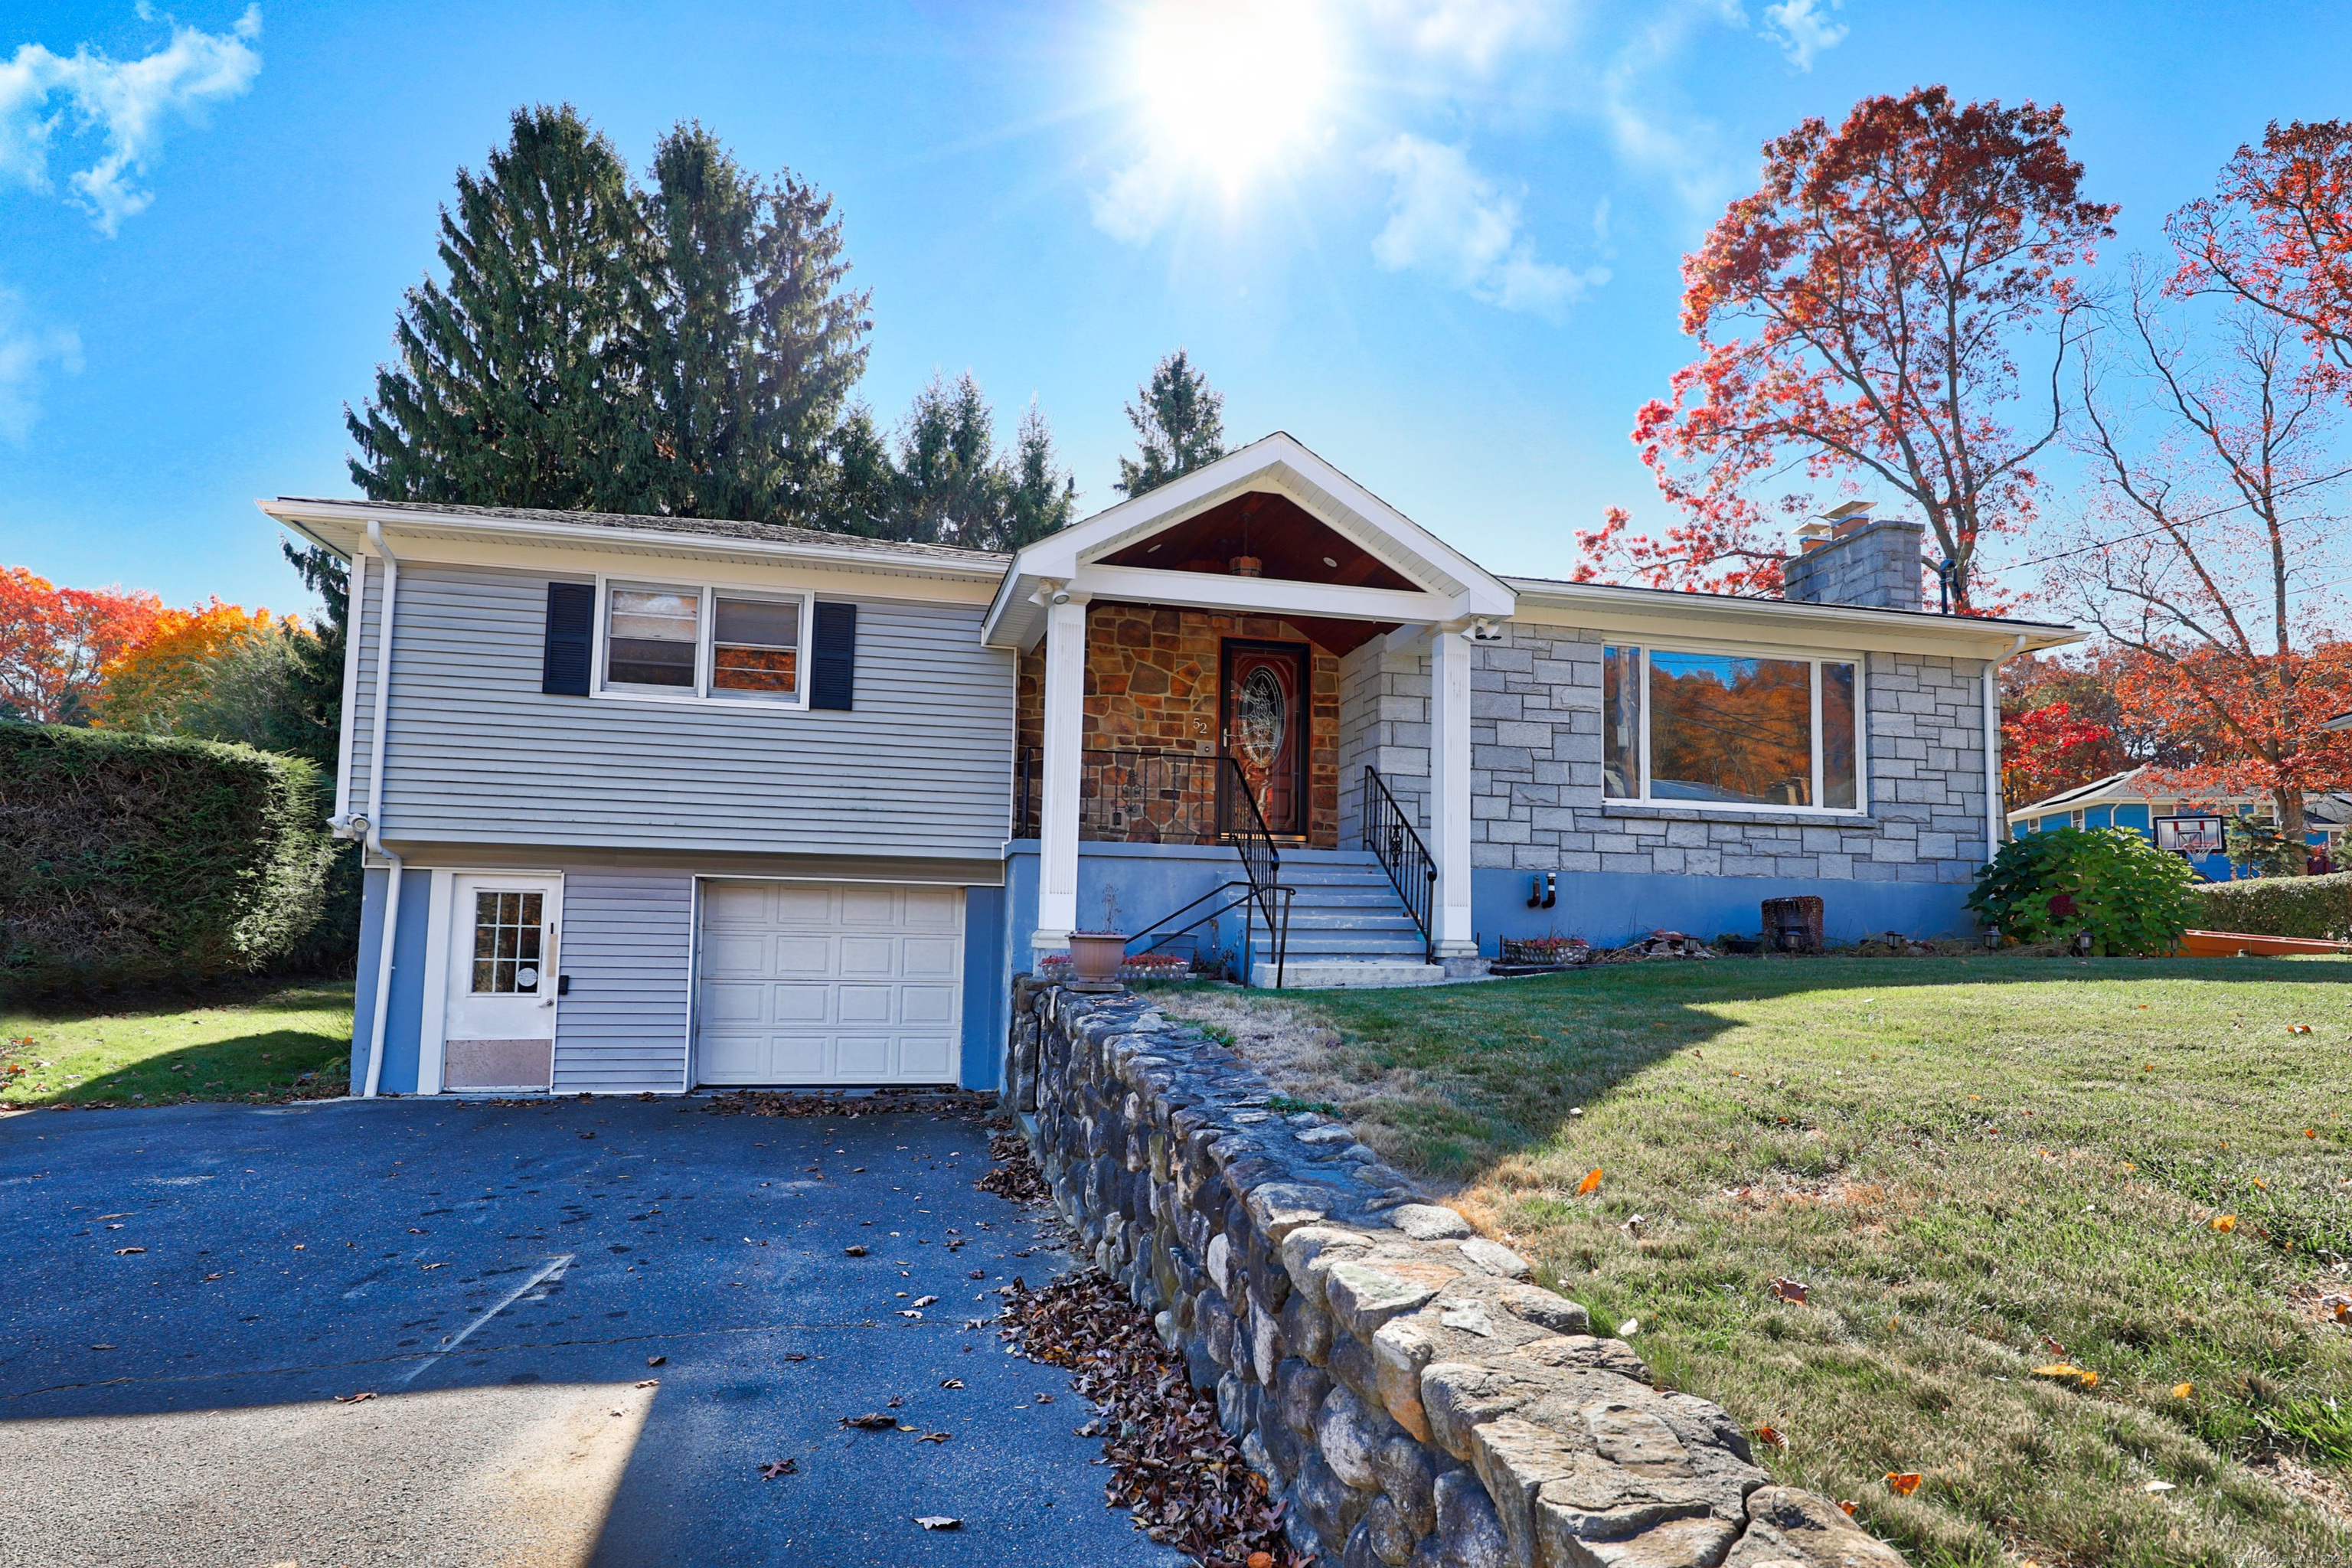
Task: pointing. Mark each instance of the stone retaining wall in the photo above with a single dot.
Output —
(1398, 1379)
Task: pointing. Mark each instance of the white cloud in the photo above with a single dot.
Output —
(25, 347)
(1802, 28)
(1476, 33)
(1449, 222)
(130, 103)
(1139, 199)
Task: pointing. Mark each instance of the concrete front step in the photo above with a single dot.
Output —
(1308, 973)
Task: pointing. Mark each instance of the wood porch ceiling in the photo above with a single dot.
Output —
(1292, 544)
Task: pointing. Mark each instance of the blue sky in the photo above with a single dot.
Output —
(1435, 239)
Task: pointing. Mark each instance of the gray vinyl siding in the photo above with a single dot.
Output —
(921, 767)
(364, 691)
(626, 940)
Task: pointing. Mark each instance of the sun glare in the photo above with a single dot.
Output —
(1228, 88)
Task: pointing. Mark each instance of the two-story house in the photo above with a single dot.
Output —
(650, 802)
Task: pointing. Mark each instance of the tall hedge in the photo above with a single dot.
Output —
(136, 859)
(2318, 907)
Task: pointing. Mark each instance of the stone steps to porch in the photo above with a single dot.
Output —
(1347, 927)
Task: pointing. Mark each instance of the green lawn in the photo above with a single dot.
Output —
(254, 1040)
(1969, 1163)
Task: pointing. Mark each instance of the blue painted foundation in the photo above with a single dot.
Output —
(987, 999)
(404, 1023)
(1610, 908)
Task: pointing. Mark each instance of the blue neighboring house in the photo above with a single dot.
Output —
(2133, 799)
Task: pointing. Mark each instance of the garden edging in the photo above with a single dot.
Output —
(1397, 1379)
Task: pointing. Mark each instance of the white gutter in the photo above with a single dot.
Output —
(375, 811)
(1996, 822)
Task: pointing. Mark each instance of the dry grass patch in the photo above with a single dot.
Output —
(1974, 1168)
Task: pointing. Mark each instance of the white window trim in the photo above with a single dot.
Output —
(706, 631)
(1814, 661)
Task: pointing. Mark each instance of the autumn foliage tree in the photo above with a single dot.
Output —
(1865, 316)
(2213, 538)
(2277, 236)
(55, 643)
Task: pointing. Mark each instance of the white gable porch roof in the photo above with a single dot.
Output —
(1447, 585)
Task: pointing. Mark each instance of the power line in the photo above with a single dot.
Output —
(2182, 523)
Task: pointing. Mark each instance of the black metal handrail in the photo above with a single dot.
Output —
(1388, 834)
(1248, 902)
(1129, 796)
(1244, 828)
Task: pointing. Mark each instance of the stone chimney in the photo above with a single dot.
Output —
(1852, 558)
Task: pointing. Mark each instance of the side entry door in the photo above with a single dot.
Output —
(499, 1029)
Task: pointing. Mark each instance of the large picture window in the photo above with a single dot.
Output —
(1737, 730)
(703, 643)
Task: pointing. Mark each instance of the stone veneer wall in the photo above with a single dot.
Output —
(1535, 780)
(1152, 675)
(1418, 1402)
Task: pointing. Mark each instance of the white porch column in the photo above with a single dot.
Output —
(1065, 704)
(1449, 790)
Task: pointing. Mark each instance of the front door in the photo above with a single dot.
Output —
(499, 1029)
(1265, 723)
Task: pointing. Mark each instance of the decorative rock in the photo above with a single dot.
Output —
(1298, 1392)
(1306, 1327)
(1469, 1536)
(1351, 1437)
(1546, 1310)
(1363, 1296)
(1492, 1258)
(1515, 1459)
(1792, 1529)
(1387, 1533)
(1409, 1481)
(1281, 1208)
(1427, 1222)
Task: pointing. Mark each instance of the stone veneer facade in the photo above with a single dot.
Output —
(1400, 1381)
(1536, 801)
(1152, 675)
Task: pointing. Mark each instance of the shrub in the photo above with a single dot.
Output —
(2263, 848)
(2106, 883)
(2317, 907)
(136, 859)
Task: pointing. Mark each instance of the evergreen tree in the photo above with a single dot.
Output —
(314, 683)
(1045, 495)
(687, 350)
(516, 379)
(1178, 427)
(754, 344)
(951, 486)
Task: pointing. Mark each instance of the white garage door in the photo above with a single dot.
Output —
(817, 982)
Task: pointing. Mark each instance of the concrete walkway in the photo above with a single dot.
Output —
(191, 1289)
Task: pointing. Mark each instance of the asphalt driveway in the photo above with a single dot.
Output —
(194, 1295)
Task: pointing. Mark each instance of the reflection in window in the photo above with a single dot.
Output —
(755, 646)
(1839, 790)
(505, 943)
(1729, 729)
(1620, 723)
(651, 635)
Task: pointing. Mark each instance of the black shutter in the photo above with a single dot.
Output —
(571, 633)
(833, 662)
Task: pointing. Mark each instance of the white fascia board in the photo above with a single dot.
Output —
(1276, 464)
(421, 527)
(1641, 612)
(690, 562)
(1260, 595)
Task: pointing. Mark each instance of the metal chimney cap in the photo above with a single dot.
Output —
(1845, 510)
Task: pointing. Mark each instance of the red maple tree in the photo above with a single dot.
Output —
(2278, 234)
(2051, 748)
(54, 642)
(1862, 317)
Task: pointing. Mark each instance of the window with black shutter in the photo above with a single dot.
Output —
(565, 661)
(832, 658)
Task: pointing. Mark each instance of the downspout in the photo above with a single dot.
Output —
(375, 811)
(1996, 820)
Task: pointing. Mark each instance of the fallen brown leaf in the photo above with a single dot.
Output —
(1795, 1291)
(938, 1521)
(1591, 1183)
(858, 1251)
(656, 1360)
(872, 1421)
(1770, 1436)
(934, 1437)
(1903, 1484)
(925, 1301)
(126, 1251)
(2225, 1223)
(950, 1383)
(365, 1395)
(649, 1382)
(780, 1468)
